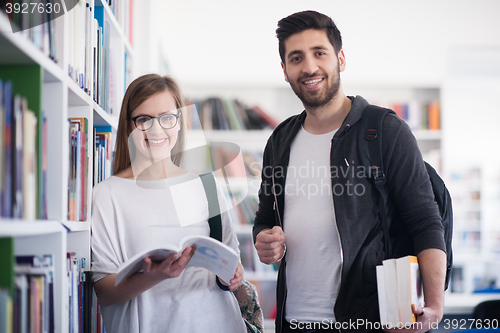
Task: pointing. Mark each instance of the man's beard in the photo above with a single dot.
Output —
(321, 98)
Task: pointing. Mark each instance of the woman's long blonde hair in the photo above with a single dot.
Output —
(137, 92)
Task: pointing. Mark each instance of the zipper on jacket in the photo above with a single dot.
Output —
(338, 235)
(341, 267)
(348, 127)
(276, 208)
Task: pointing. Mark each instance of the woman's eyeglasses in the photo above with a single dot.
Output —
(166, 121)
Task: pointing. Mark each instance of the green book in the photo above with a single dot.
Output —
(7, 264)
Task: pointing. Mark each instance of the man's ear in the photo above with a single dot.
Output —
(342, 62)
(284, 71)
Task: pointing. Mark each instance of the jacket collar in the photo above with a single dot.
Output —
(285, 133)
(354, 115)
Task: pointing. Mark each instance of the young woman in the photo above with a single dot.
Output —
(136, 209)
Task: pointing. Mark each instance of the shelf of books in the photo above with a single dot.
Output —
(63, 72)
(476, 196)
(420, 107)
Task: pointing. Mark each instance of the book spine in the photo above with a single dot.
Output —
(7, 146)
(17, 161)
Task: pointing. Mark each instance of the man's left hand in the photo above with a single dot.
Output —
(427, 318)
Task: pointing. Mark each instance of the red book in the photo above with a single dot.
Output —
(267, 118)
(398, 108)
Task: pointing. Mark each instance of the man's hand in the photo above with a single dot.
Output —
(270, 245)
(427, 319)
(432, 264)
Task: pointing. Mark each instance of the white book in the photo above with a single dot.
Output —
(29, 164)
(21, 282)
(391, 292)
(414, 115)
(210, 254)
(382, 304)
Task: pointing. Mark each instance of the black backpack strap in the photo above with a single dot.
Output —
(214, 220)
(370, 153)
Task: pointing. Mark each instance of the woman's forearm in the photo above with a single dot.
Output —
(109, 294)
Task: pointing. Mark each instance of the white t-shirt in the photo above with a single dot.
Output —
(313, 261)
(128, 218)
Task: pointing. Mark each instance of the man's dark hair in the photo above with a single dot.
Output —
(305, 20)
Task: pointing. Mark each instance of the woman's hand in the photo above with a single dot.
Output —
(171, 267)
(236, 280)
(136, 284)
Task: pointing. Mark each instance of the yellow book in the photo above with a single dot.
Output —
(410, 289)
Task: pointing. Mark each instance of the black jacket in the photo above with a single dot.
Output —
(412, 209)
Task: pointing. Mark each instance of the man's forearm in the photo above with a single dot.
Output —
(432, 264)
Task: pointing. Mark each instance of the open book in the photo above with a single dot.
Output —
(210, 254)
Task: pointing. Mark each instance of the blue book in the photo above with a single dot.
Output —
(17, 165)
(103, 129)
(7, 142)
(99, 16)
(2, 150)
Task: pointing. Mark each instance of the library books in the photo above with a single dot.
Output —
(78, 175)
(399, 286)
(84, 313)
(92, 64)
(34, 301)
(26, 291)
(419, 115)
(228, 158)
(244, 212)
(38, 26)
(225, 156)
(19, 166)
(123, 13)
(102, 153)
(79, 167)
(220, 114)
